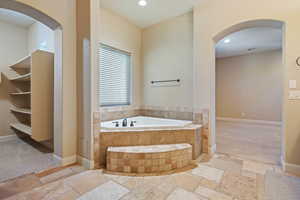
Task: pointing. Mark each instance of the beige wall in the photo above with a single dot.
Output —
(161, 50)
(40, 37)
(83, 26)
(13, 47)
(250, 86)
(64, 12)
(119, 33)
(211, 18)
(168, 54)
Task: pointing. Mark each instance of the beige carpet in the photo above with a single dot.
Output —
(281, 187)
(250, 141)
(18, 158)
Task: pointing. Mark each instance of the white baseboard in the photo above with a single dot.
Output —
(86, 163)
(213, 149)
(290, 168)
(67, 160)
(8, 138)
(282, 162)
(249, 121)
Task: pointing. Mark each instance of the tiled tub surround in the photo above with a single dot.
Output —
(148, 159)
(169, 114)
(199, 117)
(142, 137)
(179, 113)
(108, 114)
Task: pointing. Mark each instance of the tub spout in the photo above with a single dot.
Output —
(124, 123)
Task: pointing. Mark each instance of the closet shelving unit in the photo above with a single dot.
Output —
(22, 128)
(21, 110)
(32, 95)
(20, 93)
(25, 77)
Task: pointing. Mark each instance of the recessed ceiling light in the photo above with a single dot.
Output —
(227, 41)
(142, 3)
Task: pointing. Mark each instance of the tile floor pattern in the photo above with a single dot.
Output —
(219, 178)
(30, 181)
(249, 141)
(18, 158)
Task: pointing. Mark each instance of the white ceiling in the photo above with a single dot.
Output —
(261, 39)
(155, 12)
(16, 18)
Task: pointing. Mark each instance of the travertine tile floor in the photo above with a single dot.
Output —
(19, 157)
(251, 141)
(222, 177)
(30, 181)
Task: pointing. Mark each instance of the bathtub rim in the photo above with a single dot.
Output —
(133, 130)
(107, 129)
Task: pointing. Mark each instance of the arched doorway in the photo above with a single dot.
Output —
(220, 37)
(30, 11)
(57, 29)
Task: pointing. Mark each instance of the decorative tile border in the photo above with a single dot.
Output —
(119, 112)
(114, 115)
(168, 114)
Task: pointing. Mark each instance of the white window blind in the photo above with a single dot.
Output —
(115, 71)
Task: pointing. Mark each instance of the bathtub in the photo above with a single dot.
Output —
(148, 131)
(142, 122)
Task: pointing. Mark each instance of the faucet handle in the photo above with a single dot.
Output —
(132, 123)
(116, 123)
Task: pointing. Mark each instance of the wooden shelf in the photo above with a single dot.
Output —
(21, 110)
(22, 127)
(33, 95)
(25, 77)
(23, 63)
(20, 93)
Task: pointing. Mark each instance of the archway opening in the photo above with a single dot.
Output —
(247, 102)
(21, 16)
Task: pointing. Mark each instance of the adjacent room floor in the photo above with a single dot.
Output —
(222, 177)
(19, 157)
(251, 141)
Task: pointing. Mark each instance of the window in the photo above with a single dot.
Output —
(115, 76)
